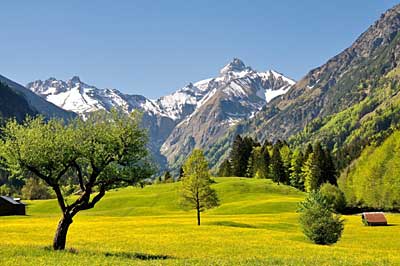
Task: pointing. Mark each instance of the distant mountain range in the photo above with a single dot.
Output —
(28, 101)
(347, 103)
(193, 116)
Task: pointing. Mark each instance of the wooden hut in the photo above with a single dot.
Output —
(11, 206)
(374, 218)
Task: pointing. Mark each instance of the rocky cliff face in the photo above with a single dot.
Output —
(333, 86)
(234, 96)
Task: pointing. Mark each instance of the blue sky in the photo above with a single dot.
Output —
(154, 47)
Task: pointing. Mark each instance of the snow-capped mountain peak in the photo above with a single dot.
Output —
(194, 115)
(79, 97)
(74, 80)
(236, 65)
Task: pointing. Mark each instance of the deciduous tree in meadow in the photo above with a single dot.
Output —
(196, 184)
(106, 151)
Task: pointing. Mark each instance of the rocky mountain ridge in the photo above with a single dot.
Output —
(237, 93)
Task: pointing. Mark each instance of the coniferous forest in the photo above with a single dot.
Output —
(305, 169)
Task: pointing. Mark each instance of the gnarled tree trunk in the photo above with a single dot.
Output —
(60, 237)
(198, 216)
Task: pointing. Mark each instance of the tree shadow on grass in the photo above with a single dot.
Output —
(232, 224)
(136, 255)
(125, 255)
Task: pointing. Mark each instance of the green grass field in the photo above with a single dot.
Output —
(256, 224)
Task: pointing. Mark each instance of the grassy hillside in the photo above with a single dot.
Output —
(238, 196)
(256, 224)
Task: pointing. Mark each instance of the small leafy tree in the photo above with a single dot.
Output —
(106, 151)
(319, 223)
(196, 191)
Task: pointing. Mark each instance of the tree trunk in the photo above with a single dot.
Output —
(60, 237)
(198, 216)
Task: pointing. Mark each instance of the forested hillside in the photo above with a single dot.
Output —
(374, 179)
(368, 122)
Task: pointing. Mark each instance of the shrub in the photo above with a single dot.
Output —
(333, 196)
(35, 189)
(5, 190)
(318, 221)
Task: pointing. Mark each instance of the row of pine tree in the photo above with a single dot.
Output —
(305, 169)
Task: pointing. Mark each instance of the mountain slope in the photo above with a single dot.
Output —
(333, 86)
(13, 105)
(235, 95)
(49, 110)
(351, 77)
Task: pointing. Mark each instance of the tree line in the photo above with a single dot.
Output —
(306, 169)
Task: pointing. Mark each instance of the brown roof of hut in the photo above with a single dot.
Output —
(374, 218)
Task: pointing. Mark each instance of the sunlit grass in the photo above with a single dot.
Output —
(256, 224)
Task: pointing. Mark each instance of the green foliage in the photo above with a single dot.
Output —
(296, 176)
(305, 171)
(311, 173)
(35, 189)
(180, 173)
(286, 155)
(168, 177)
(196, 190)
(318, 169)
(368, 121)
(5, 190)
(250, 166)
(317, 220)
(107, 150)
(240, 154)
(277, 168)
(257, 165)
(373, 180)
(225, 168)
(334, 197)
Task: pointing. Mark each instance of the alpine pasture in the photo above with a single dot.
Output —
(256, 224)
